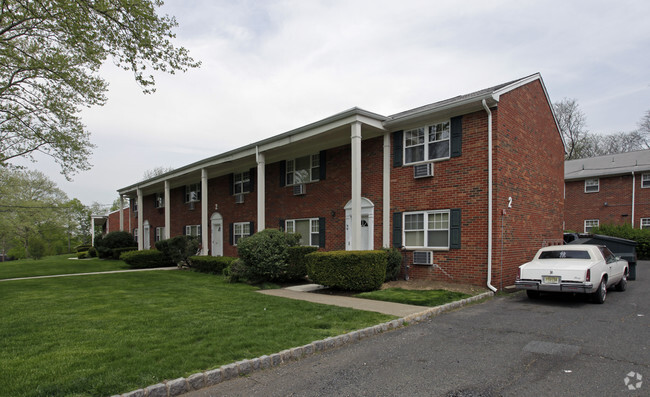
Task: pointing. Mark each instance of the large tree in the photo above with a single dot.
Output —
(50, 55)
(572, 125)
(644, 129)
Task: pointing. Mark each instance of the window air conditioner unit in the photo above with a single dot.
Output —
(423, 170)
(299, 190)
(239, 198)
(423, 258)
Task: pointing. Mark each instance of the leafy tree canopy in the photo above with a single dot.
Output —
(50, 55)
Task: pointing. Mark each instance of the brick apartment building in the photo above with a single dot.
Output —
(468, 188)
(612, 189)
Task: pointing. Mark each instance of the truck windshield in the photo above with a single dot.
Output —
(564, 255)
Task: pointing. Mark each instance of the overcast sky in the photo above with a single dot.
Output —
(272, 66)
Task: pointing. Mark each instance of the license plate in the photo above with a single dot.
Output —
(550, 279)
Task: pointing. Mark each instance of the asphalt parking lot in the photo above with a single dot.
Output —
(507, 346)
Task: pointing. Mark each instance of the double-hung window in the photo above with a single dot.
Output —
(160, 200)
(427, 143)
(193, 230)
(242, 182)
(645, 223)
(645, 180)
(427, 229)
(308, 229)
(592, 185)
(303, 169)
(591, 224)
(160, 234)
(192, 192)
(240, 230)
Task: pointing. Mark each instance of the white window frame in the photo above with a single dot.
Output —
(240, 230)
(135, 235)
(644, 223)
(593, 223)
(193, 230)
(160, 200)
(314, 230)
(429, 134)
(590, 184)
(292, 178)
(241, 182)
(645, 181)
(192, 192)
(427, 227)
(159, 234)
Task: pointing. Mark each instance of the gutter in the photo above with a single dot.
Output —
(633, 194)
(490, 226)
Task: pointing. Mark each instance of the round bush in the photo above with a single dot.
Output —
(265, 255)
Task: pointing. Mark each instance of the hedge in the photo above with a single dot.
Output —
(144, 259)
(116, 253)
(297, 263)
(348, 270)
(210, 264)
(641, 236)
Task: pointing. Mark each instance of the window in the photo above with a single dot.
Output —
(568, 254)
(590, 224)
(134, 204)
(592, 185)
(242, 183)
(159, 200)
(160, 234)
(135, 235)
(428, 229)
(645, 223)
(309, 230)
(193, 230)
(241, 229)
(303, 169)
(427, 143)
(645, 180)
(192, 192)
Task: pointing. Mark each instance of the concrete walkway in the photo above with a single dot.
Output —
(302, 292)
(89, 274)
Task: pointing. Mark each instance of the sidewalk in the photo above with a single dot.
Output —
(302, 292)
(90, 274)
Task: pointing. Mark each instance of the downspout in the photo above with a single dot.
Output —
(633, 193)
(489, 253)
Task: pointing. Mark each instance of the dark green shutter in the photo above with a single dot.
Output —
(454, 229)
(251, 175)
(321, 232)
(397, 229)
(323, 161)
(281, 225)
(456, 136)
(232, 184)
(283, 173)
(251, 229)
(398, 148)
(232, 233)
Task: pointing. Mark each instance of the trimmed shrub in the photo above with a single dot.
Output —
(178, 249)
(236, 272)
(641, 236)
(82, 254)
(146, 259)
(348, 270)
(265, 255)
(210, 264)
(82, 247)
(116, 253)
(92, 252)
(297, 263)
(106, 244)
(393, 264)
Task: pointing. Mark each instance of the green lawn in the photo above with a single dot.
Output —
(106, 334)
(59, 264)
(429, 298)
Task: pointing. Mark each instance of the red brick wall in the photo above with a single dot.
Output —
(616, 191)
(529, 167)
(114, 221)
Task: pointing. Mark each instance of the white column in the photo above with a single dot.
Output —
(386, 199)
(355, 226)
(92, 230)
(204, 212)
(261, 193)
(140, 221)
(168, 218)
(122, 213)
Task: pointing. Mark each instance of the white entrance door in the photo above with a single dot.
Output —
(216, 222)
(146, 235)
(367, 224)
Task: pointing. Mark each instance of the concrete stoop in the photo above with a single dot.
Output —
(178, 387)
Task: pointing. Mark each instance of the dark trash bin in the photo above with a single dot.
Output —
(624, 248)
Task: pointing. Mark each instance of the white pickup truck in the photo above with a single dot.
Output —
(586, 269)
